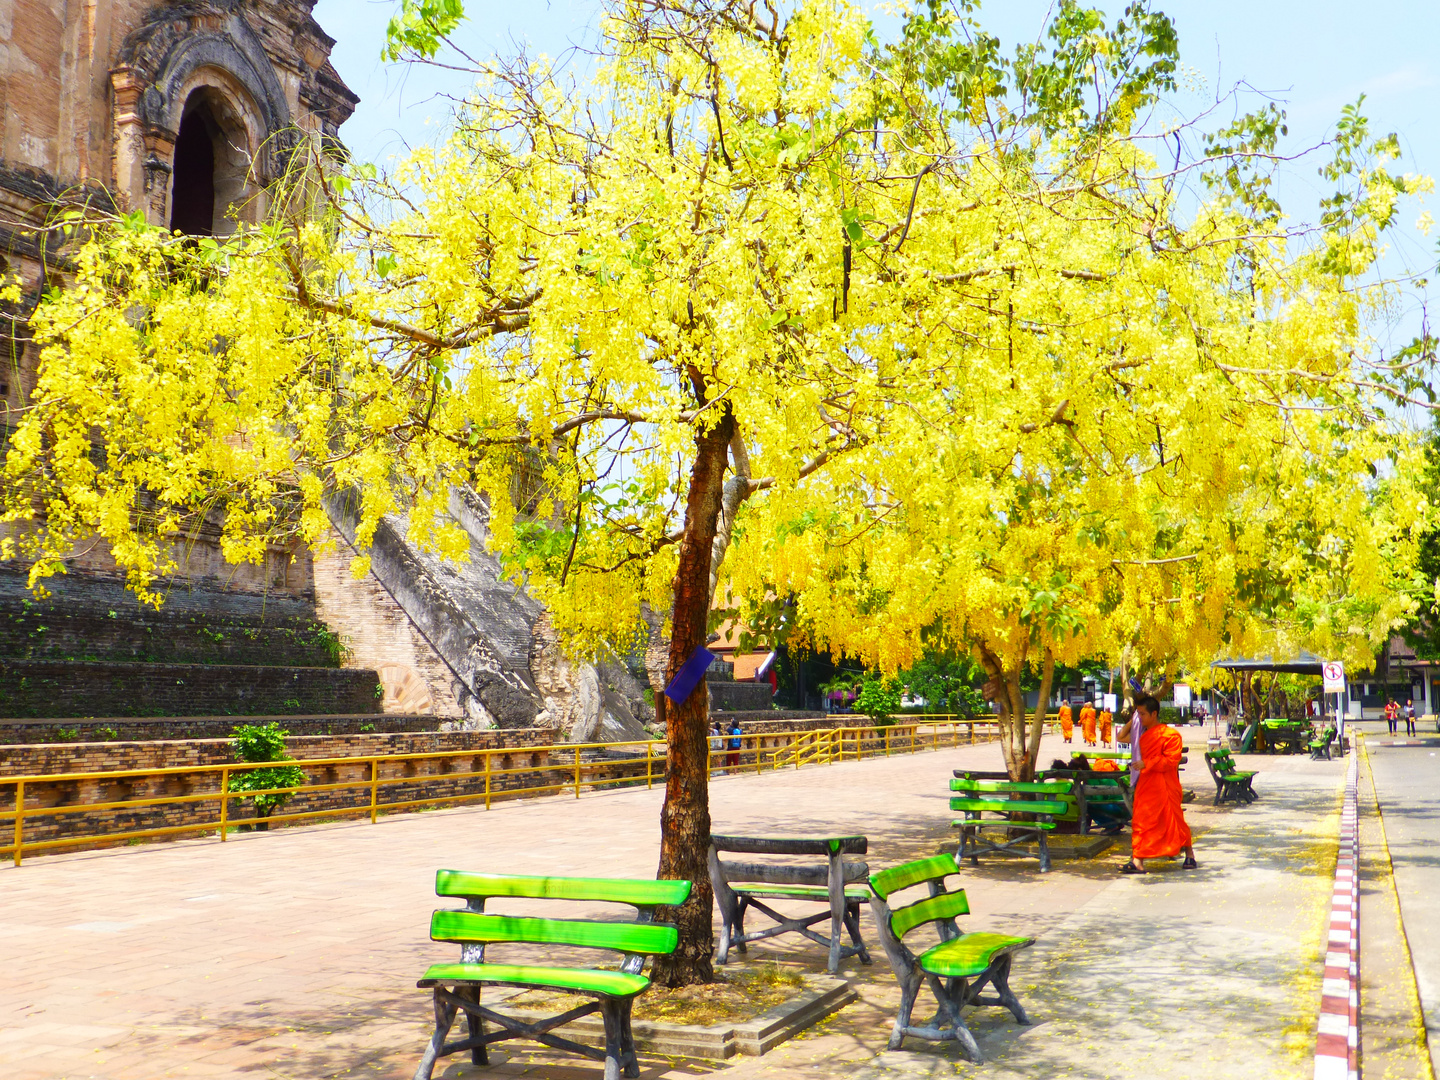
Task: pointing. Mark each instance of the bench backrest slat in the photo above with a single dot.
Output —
(780, 874)
(470, 927)
(1010, 806)
(637, 892)
(1021, 787)
(779, 845)
(914, 873)
(944, 906)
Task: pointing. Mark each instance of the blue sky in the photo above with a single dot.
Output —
(1316, 56)
(1313, 56)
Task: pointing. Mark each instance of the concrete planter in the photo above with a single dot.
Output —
(821, 996)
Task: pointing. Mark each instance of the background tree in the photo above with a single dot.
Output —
(1422, 632)
(1167, 434)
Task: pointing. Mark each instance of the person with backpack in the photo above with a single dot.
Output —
(732, 759)
(1409, 716)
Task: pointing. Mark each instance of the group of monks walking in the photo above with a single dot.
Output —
(1092, 725)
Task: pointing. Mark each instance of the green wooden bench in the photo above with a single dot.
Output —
(457, 986)
(1287, 736)
(1006, 798)
(957, 969)
(1230, 782)
(1320, 746)
(741, 886)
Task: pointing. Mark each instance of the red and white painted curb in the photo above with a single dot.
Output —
(1337, 1038)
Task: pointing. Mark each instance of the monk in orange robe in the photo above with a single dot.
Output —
(1067, 723)
(1157, 824)
(1107, 727)
(1087, 723)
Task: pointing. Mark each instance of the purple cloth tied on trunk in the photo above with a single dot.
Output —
(689, 675)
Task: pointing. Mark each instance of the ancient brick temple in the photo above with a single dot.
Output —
(187, 111)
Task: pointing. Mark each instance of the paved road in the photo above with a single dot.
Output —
(1407, 783)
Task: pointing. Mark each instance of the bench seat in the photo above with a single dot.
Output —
(1010, 806)
(580, 980)
(969, 954)
(800, 892)
(972, 823)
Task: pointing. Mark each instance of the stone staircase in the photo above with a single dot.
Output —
(88, 651)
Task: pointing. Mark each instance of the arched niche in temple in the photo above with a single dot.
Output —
(212, 168)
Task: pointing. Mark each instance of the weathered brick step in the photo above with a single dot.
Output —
(53, 688)
(113, 729)
(34, 632)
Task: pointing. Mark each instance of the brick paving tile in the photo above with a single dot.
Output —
(294, 953)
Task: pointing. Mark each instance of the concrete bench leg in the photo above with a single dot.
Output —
(948, 1020)
(475, 1025)
(909, 991)
(610, 1012)
(629, 1064)
(444, 1018)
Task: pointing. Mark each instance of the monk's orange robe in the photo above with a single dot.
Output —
(1104, 765)
(1087, 724)
(1107, 726)
(1158, 826)
(1067, 724)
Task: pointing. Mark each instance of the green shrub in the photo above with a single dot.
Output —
(264, 742)
(335, 648)
(879, 699)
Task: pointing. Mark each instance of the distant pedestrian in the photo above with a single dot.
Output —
(1067, 722)
(1157, 824)
(1409, 716)
(1087, 723)
(717, 741)
(732, 759)
(1107, 727)
(1392, 714)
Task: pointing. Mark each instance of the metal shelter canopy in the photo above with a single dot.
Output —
(1303, 664)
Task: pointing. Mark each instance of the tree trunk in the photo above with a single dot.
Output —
(1019, 735)
(685, 817)
(1042, 705)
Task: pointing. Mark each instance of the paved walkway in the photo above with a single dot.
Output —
(294, 954)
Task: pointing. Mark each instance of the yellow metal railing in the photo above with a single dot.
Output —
(47, 803)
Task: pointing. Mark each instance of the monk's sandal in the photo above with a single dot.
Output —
(1131, 868)
(1189, 863)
